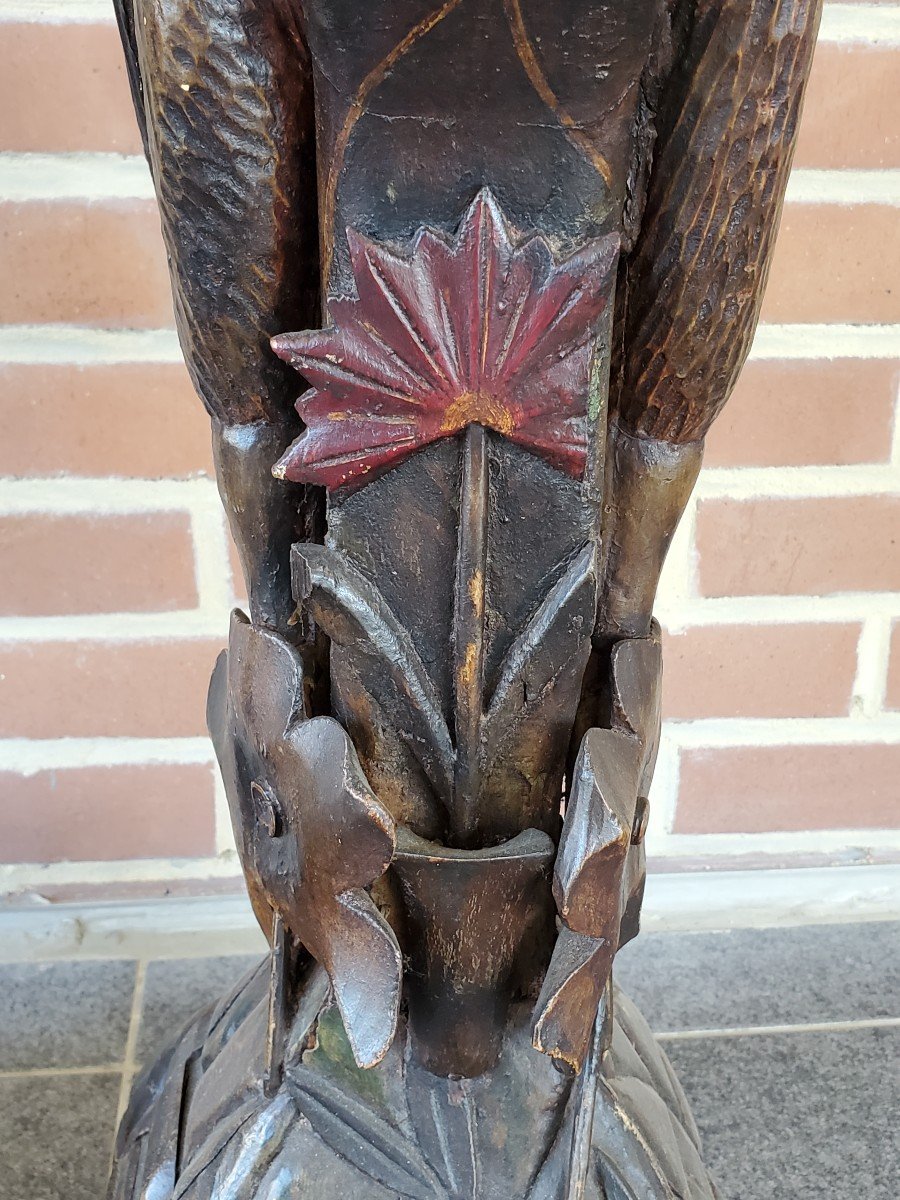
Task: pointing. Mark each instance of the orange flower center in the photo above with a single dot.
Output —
(476, 408)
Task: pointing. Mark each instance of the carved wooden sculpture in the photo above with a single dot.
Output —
(462, 285)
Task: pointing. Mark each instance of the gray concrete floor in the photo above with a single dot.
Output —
(787, 1042)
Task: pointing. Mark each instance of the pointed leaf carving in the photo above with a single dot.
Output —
(353, 613)
(354, 1131)
(571, 992)
(311, 833)
(553, 645)
(590, 864)
(347, 841)
(446, 1124)
(598, 873)
(637, 693)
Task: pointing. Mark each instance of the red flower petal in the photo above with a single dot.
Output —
(477, 328)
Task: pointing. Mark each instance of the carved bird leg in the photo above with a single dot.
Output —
(689, 298)
(223, 94)
(691, 289)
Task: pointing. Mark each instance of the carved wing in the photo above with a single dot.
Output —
(691, 289)
(223, 95)
(695, 279)
(124, 11)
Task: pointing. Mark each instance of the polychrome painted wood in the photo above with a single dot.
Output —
(462, 285)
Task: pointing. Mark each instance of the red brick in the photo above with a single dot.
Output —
(107, 813)
(63, 87)
(835, 263)
(763, 789)
(83, 564)
(850, 118)
(798, 547)
(760, 671)
(113, 689)
(892, 698)
(807, 412)
(131, 419)
(88, 264)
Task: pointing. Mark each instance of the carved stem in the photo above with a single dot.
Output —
(468, 630)
(276, 1025)
(583, 1128)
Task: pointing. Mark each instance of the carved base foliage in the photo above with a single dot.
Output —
(334, 1131)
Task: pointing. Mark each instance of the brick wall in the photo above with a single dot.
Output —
(779, 599)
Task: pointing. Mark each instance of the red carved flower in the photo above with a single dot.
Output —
(474, 329)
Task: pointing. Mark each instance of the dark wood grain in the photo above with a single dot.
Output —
(227, 104)
(462, 284)
(695, 280)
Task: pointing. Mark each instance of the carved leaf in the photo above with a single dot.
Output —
(587, 881)
(355, 1132)
(598, 876)
(346, 841)
(365, 968)
(573, 986)
(311, 833)
(446, 1124)
(256, 692)
(353, 613)
(449, 333)
(636, 676)
(554, 645)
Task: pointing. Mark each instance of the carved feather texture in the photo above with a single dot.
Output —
(695, 281)
(477, 329)
(227, 106)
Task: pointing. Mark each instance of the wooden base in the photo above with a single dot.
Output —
(200, 1125)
